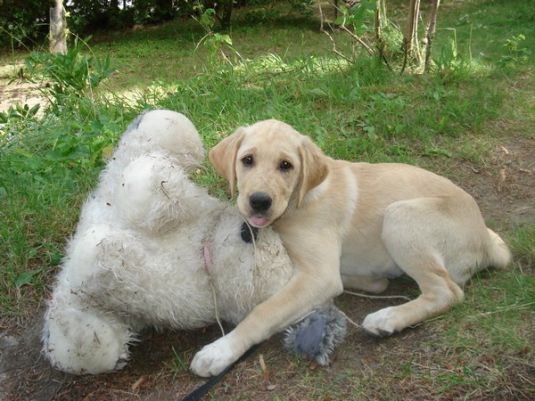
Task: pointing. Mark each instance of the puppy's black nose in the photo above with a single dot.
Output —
(260, 201)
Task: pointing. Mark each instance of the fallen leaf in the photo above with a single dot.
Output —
(263, 367)
(139, 382)
(503, 177)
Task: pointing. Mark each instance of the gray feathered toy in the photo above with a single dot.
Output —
(317, 335)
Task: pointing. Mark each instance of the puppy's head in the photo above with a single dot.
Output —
(273, 166)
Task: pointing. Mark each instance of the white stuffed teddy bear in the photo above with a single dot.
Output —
(152, 248)
(147, 245)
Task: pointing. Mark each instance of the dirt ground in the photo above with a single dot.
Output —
(504, 188)
(13, 93)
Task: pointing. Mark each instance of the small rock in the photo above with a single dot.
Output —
(7, 341)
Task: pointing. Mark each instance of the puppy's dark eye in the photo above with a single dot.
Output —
(285, 165)
(247, 161)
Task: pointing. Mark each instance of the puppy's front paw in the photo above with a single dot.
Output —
(214, 358)
(380, 323)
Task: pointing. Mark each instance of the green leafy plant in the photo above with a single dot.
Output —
(22, 23)
(305, 7)
(70, 74)
(450, 62)
(19, 112)
(359, 17)
(515, 53)
(215, 42)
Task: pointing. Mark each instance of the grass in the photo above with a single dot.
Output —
(521, 241)
(482, 341)
(179, 364)
(444, 121)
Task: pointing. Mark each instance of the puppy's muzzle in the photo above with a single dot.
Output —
(260, 202)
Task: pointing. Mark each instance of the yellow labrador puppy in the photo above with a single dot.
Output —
(350, 225)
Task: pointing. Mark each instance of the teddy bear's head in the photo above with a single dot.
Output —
(167, 132)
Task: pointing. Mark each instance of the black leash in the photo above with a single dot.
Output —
(203, 389)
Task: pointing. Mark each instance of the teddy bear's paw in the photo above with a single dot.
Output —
(82, 341)
(214, 358)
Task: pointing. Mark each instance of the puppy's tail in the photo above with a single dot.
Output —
(498, 252)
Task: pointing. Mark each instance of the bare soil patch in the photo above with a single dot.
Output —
(13, 92)
(504, 184)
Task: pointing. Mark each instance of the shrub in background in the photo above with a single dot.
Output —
(65, 75)
(23, 22)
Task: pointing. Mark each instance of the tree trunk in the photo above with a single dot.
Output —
(410, 41)
(225, 13)
(380, 23)
(58, 28)
(430, 32)
(164, 9)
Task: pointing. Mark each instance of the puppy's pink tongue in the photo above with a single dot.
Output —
(258, 221)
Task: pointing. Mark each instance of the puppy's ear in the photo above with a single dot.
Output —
(313, 168)
(223, 157)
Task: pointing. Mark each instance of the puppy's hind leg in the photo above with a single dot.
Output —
(412, 233)
(364, 283)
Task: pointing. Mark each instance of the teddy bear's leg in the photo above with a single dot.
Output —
(78, 338)
(155, 195)
(80, 341)
(80, 262)
(169, 131)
